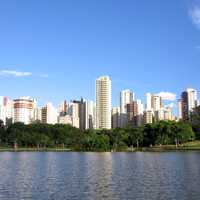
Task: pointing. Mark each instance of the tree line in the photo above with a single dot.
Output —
(38, 135)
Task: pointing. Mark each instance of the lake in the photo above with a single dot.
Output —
(95, 176)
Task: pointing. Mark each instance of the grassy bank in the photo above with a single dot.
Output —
(189, 146)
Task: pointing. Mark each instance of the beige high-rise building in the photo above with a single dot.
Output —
(103, 102)
(148, 117)
(24, 109)
(156, 102)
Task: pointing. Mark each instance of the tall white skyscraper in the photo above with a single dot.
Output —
(126, 97)
(103, 102)
(192, 98)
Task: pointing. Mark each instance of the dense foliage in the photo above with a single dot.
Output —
(65, 136)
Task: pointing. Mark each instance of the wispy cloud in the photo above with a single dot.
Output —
(194, 13)
(14, 73)
(167, 96)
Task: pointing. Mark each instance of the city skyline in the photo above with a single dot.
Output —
(44, 55)
(100, 114)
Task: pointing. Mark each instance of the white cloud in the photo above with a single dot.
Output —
(14, 73)
(167, 96)
(194, 13)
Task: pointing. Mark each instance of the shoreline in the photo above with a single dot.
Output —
(144, 149)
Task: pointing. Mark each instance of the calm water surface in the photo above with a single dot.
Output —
(151, 176)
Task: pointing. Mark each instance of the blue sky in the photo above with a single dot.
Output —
(55, 49)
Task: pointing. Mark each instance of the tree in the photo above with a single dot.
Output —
(195, 120)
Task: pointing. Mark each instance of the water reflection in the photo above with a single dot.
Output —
(26, 175)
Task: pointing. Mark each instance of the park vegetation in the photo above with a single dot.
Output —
(41, 136)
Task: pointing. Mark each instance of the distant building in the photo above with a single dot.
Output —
(63, 108)
(90, 115)
(103, 102)
(23, 109)
(37, 115)
(67, 119)
(189, 102)
(156, 102)
(126, 97)
(115, 117)
(140, 112)
(74, 112)
(149, 102)
(180, 109)
(132, 111)
(81, 109)
(148, 117)
(165, 113)
(6, 110)
(49, 114)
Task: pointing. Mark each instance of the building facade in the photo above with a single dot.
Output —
(103, 102)
(24, 109)
(126, 97)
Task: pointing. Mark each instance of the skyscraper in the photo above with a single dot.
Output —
(82, 109)
(6, 110)
(126, 97)
(90, 115)
(24, 109)
(115, 117)
(63, 108)
(49, 114)
(188, 102)
(103, 102)
(156, 102)
(149, 102)
(179, 109)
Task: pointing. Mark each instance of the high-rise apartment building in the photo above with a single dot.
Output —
(49, 114)
(132, 113)
(126, 97)
(103, 102)
(148, 117)
(63, 108)
(140, 112)
(82, 113)
(91, 115)
(23, 109)
(156, 102)
(115, 117)
(188, 102)
(6, 110)
(179, 110)
(149, 102)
